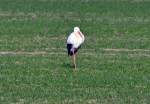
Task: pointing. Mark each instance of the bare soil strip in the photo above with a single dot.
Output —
(107, 49)
(126, 50)
(29, 53)
(112, 52)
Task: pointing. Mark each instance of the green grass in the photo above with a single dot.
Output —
(103, 76)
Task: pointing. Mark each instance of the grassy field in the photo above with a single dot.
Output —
(113, 64)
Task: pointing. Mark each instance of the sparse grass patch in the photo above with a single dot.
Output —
(113, 64)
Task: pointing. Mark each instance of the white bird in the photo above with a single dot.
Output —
(74, 41)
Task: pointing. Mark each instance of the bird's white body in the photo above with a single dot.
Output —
(76, 38)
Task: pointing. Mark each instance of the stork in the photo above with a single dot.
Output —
(74, 42)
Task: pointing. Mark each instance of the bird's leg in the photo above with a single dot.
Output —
(74, 60)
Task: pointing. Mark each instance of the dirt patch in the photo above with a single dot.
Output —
(112, 52)
(126, 50)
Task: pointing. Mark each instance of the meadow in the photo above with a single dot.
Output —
(113, 65)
